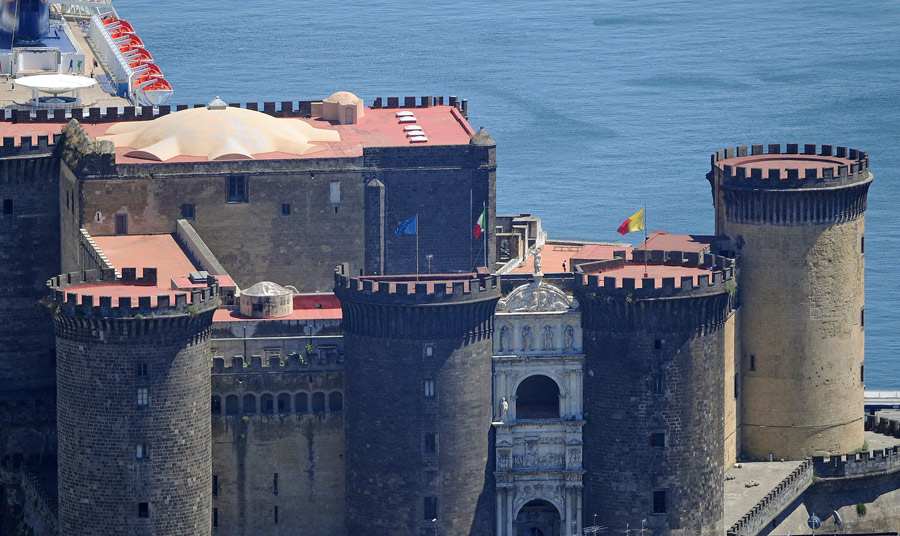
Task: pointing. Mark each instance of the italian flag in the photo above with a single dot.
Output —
(634, 223)
(480, 223)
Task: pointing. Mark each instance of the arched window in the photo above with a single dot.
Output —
(249, 404)
(318, 402)
(231, 405)
(284, 403)
(336, 401)
(216, 405)
(301, 403)
(537, 398)
(267, 404)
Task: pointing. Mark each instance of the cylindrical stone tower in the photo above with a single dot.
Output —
(418, 403)
(133, 404)
(796, 216)
(654, 391)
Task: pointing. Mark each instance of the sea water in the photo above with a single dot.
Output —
(598, 108)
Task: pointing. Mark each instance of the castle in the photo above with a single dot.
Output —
(433, 384)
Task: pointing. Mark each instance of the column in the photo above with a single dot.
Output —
(578, 493)
(567, 517)
(499, 520)
(509, 511)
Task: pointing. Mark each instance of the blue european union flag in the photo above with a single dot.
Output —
(407, 227)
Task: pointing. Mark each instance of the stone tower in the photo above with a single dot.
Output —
(133, 404)
(418, 403)
(653, 391)
(796, 216)
(29, 253)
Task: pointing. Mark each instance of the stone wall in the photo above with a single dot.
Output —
(418, 406)
(102, 421)
(29, 254)
(732, 388)
(299, 440)
(803, 342)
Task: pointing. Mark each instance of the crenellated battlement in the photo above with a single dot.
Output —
(414, 290)
(302, 108)
(291, 362)
(774, 502)
(85, 156)
(721, 274)
(862, 464)
(134, 304)
(28, 145)
(803, 167)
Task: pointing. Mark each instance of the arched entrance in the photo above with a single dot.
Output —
(537, 398)
(538, 518)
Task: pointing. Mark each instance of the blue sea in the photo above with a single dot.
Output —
(597, 107)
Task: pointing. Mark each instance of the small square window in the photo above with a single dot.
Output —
(658, 440)
(142, 451)
(141, 370)
(143, 397)
(429, 388)
(429, 350)
(237, 189)
(187, 211)
(285, 209)
(430, 509)
(143, 509)
(7, 206)
(659, 502)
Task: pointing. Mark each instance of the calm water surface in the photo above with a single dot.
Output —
(597, 107)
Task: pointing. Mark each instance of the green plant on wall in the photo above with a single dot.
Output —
(309, 349)
(861, 509)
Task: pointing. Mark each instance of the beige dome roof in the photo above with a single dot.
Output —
(266, 288)
(343, 97)
(217, 134)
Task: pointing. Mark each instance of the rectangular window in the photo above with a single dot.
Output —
(334, 193)
(143, 397)
(142, 451)
(429, 388)
(143, 509)
(862, 244)
(215, 489)
(658, 440)
(862, 318)
(862, 374)
(430, 509)
(121, 224)
(237, 189)
(276, 515)
(141, 370)
(429, 350)
(430, 443)
(187, 211)
(215, 518)
(737, 385)
(659, 502)
(658, 385)
(657, 344)
(752, 362)
(7, 206)
(275, 483)
(285, 209)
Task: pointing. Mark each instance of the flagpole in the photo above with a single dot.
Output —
(645, 239)
(471, 240)
(417, 246)
(484, 211)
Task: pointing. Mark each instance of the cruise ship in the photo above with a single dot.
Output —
(58, 56)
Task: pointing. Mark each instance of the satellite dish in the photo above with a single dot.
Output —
(814, 522)
(837, 519)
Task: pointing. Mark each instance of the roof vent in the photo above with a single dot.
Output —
(216, 104)
(407, 119)
(405, 113)
(199, 277)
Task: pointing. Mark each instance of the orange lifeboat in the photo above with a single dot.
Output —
(136, 53)
(146, 68)
(124, 39)
(119, 24)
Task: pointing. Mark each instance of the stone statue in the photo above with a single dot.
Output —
(504, 409)
(570, 337)
(527, 342)
(548, 338)
(537, 262)
(504, 339)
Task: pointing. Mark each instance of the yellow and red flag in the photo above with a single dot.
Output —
(634, 223)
